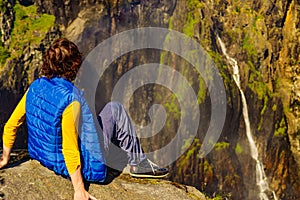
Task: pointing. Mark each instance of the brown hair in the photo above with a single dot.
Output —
(61, 59)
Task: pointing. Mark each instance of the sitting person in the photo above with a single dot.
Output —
(62, 134)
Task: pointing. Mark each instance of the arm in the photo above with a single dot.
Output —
(70, 149)
(5, 156)
(10, 130)
(79, 190)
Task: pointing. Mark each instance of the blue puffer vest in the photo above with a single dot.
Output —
(45, 102)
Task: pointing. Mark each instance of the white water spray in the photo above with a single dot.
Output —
(261, 179)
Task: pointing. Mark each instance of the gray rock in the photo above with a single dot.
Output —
(30, 180)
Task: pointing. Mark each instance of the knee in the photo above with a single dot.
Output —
(113, 107)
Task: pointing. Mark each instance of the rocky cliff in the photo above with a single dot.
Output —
(30, 180)
(263, 37)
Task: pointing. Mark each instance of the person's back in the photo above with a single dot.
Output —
(56, 125)
(62, 133)
(46, 100)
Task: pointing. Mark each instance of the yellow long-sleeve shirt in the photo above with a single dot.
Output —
(69, 131)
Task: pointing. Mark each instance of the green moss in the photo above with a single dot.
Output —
(188, 27)
(282, 155)
(2, 7)
(221, 145)
(281, 129)
(202, 91)
(274, 107)
(294, 61)
(260, 88)
(194, 4)
(171, 23)
(248, 47)
(227, 79)
(193, 16)
(208, 169)
(238, 149)
(191, 20)
(186, 144)
(280, 132)
(255, 20)
(233, 34)
(189, 153)
(218, 197)
(256, 83)
(262, 112)
(4, 54)
(165, 57)
(29, 28)
(171, 106)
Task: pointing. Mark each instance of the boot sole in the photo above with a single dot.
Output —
(148, 176)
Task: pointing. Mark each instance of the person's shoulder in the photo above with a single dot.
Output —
(38, 80)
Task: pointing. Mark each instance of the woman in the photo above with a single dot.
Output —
(61, 131)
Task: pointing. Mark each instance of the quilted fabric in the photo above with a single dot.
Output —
(45, 102)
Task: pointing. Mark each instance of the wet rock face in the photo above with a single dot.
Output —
(255, 34)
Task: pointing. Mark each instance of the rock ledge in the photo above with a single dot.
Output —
(30, 180)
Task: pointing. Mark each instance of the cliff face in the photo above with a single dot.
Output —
(262, 36)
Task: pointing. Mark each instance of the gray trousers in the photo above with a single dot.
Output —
(121, 145)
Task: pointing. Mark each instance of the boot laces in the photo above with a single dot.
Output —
(152, 165)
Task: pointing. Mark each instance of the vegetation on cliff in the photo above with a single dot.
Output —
(29, 28)
(261, 35)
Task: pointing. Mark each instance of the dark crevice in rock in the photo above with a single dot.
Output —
(26, 2)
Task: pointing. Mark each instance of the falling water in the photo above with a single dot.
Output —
(261, 179)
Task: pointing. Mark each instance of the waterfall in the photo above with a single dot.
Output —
(261, 179)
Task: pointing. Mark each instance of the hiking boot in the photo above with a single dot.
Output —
(147, 169)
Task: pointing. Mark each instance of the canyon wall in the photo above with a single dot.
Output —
(262, 36)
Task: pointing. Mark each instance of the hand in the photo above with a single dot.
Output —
(3, 162)
(83, 195)
(5, 156)
(80, 192)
